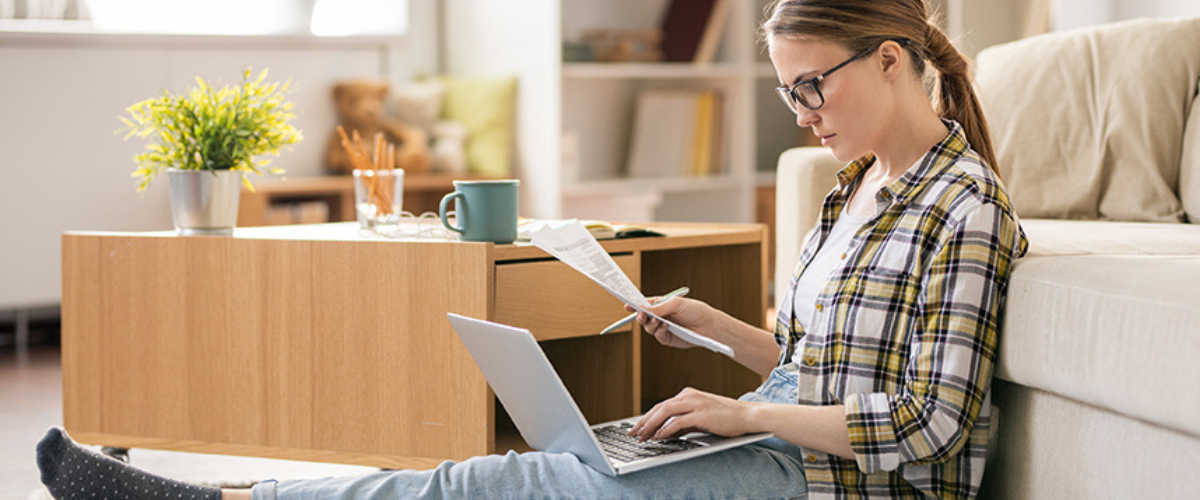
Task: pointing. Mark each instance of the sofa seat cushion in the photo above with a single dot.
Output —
(1049, 237)
(1120, 332)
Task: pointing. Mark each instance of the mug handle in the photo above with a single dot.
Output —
(461, 210)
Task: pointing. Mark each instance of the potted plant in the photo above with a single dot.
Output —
(208, 138)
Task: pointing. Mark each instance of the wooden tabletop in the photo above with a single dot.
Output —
(679, 235)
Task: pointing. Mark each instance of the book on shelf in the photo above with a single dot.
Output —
(663, 131)
(676, 133)
(707, 51)
(692, 29)
(601, 230)
(707, 140)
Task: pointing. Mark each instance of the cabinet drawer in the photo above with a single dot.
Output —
(554, 301)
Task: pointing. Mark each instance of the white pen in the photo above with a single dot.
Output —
(678, 292)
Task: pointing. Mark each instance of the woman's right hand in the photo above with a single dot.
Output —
(688, 313)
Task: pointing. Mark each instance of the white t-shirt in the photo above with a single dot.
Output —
(830, 257)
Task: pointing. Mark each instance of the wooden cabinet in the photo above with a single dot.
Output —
(764, 213)
(555, 300)
(312, 343)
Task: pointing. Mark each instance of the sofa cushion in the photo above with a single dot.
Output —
(1120, 332)
(1089, 124)
(1052, 448)
(1048, 237)
(1189, 167)
(805, 176)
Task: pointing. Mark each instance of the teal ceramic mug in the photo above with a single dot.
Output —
(484, 210)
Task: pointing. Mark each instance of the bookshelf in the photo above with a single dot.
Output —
(595, 102)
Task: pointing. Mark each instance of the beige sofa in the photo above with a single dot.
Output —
(1098, 377)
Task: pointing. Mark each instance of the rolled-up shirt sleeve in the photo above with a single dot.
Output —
(951, 351)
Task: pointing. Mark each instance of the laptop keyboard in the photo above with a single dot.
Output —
(619, 446)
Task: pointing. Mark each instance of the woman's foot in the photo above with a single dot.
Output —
(70, 471)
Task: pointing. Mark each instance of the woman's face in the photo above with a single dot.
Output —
(849, 122)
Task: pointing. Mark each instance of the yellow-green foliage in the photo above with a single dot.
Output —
(210, 129)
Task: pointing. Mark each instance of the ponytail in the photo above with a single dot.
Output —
(954, 97)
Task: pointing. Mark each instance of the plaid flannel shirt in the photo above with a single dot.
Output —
(905, 333)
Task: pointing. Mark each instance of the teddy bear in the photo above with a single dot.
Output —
(420, 104)
(361, 106)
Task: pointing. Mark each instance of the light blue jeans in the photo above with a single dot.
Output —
(770, 469)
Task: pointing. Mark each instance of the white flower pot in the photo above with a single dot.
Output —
(204, 202)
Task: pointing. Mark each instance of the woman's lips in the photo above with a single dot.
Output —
(826, 138)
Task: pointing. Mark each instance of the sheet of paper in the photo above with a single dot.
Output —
(573, 245)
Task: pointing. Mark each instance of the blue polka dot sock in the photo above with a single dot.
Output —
(72, 472)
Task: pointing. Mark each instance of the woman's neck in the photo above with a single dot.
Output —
(909, 137)
(905, 142)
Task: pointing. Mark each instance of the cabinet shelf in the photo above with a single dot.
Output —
(278, 201)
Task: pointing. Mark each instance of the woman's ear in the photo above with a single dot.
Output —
(891, 59)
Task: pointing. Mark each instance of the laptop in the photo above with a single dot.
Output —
(548, 418)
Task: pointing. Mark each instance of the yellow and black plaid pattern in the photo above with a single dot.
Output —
(905, 333)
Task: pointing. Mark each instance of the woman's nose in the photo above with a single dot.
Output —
(806, 117)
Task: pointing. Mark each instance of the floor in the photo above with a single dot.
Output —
(31, 402)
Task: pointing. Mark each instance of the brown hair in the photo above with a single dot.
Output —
(860, 25)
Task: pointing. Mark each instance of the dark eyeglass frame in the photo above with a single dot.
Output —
(792, 98)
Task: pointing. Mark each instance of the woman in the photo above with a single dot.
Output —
(880, 364)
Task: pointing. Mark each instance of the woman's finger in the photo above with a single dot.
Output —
(666, 308)
(644, 422)
(672, 427)
(654, 419)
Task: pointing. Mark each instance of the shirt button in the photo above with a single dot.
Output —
(843, 256)
(820, 307)
(812, 459)
(810, 361)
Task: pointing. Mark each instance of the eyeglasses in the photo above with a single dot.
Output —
(807, 93)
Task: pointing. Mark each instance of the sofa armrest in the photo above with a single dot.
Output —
(804, 177)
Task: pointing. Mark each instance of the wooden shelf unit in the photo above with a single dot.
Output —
(315, 343)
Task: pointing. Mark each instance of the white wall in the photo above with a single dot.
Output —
(481, 36)
(62, 167)
(1131, 9)
(1070, 14)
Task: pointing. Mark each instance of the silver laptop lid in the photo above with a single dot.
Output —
(527, 385)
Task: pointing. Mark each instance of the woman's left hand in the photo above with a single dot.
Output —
(693, 410)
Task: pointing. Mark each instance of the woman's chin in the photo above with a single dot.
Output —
(843, 155)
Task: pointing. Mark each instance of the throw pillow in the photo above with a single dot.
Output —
(487, 108)
(1089, 124)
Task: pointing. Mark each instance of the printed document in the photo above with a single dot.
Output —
(577, 248)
